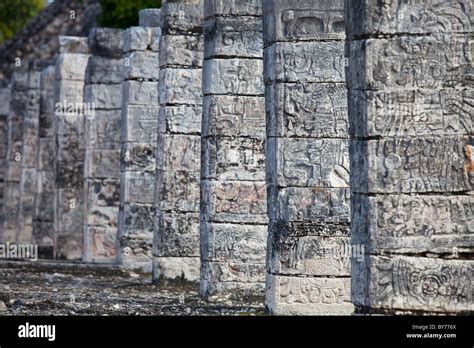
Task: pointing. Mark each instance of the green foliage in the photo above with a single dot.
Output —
(14, 14)
(123, 13)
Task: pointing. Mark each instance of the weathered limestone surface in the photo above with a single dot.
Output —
(43, 221)
(176, 235)
(233, 190)
(69, 152)
(307, 162)
(411, 105)
(4, 111)
(140, 107)
(103, 93)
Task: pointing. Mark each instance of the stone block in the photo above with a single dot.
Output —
(319, 61)
(180, 119)
(103, 243)
(413, 283)
(431, 62)
(102, 164)
(292, 295)
(233, 159)
(137, 187)
(303, 20)
(232, 8)
(309, 255)
(140, 93)
(140, 123)
(317, 110)
(178, 152)
(181, 51)
(246, 73)
(180, 268)
(103, 96)
(71, 66)
(73, 44)
(233, 37)
(138, 157)
(102, 70)
(182, 18)
(368, 18)
(142, 66)
(227, 243)
(68, 96)
(234, 202)
(177, 190)
(69, 211)
(103, 131)
(106, 42)
(233, 115)
(232, 272)
(176, 235)
(307, 162)
(310, 204)
(411, 113)
(137, 217)
(180, 86)
(414, 224)
(44, 209)
(412, 165)
(136, 39)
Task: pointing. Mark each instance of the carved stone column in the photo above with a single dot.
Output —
(139, 133)
(43, 221)
(307, 158)
(69, 146)
(176, 235)
(103, 93)
(233, 190)
(4, 111)
(17, 110)
(411, 105)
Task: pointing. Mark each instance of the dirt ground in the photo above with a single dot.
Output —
(41, 288)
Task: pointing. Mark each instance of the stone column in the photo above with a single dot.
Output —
(29, 157)
(43, 222)
(307, 158)
(411, 105)
(18, 105)
(103, 91)
(139, 133)
(176, 235)
(69, 149)
(4, 111)
(233, 190)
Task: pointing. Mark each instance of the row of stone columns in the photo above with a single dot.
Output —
(212, 144)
